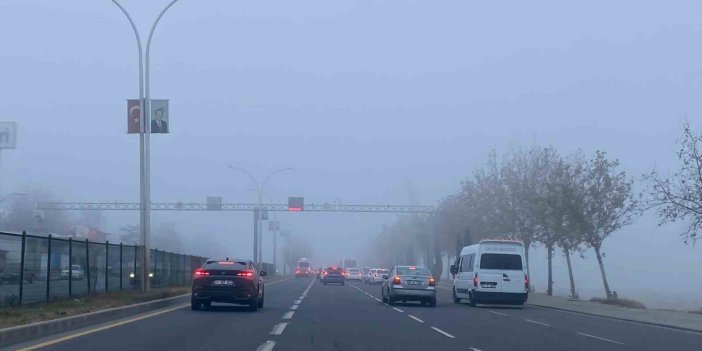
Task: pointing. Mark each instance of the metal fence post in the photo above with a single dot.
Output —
(48, 270)
(136, 254)
(70, 267)
(87, 262)
(107, 264)
(121, 272)
(21, 275)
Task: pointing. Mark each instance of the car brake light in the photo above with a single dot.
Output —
(475, 280)
(245, 274)
(201, 273)
(396, 280)
(432, 281)
(526, 282)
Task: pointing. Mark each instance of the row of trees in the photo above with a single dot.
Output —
(568, 203)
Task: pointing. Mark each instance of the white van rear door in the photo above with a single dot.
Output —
(501, 272)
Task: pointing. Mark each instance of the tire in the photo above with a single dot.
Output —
(342, 283)
(382, 294)
(207, 304)
(195, 305)
(260, 301)
(391, 301)
(432, 302)
(323, 282)
(253, 305)
(455, 298)
(472, 302)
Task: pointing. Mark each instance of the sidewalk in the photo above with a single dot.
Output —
(666, 318)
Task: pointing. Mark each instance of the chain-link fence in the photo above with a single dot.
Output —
(41, 269)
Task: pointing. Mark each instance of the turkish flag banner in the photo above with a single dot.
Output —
(133, 116)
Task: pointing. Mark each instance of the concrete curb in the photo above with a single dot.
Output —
(662, 325)
(22, 333)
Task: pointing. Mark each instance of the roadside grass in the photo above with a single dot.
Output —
(14, 316)
(620, 302)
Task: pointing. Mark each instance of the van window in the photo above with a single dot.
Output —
(466, 263)
(303, 264)
(508, 262)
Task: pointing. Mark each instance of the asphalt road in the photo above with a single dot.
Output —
(302, 314)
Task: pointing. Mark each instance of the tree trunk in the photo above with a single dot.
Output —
(438, 263)
(549, 290)
(602, 270)
(573, 294)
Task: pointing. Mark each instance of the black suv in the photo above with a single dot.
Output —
(229, 281)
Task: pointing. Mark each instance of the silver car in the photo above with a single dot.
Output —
(409, 283)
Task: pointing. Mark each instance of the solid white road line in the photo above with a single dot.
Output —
(443, 332)
(398, 310)
(279, 328)
(498, 313)
(288, 315)
(415, 318)
(297, 302)
(377, 299)
(294, 307)
(603, 339)
(535, 322)
(266, 346)
(474, 349)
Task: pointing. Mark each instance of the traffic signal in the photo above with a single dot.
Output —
(296, 203)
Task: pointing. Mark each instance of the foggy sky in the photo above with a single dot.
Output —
(360, 97)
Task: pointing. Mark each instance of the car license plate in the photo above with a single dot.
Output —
(414, 282)
(224, 282)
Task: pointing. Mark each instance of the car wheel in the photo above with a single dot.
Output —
(432, 303)
(455, 298)
(323, 282)
(391, 301)
(253, 305)
(195, 305)
(472, 302)
(342, 283)
(207, 304)
(260, 301)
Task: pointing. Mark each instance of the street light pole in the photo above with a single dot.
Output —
(144, 143)
(258, 239)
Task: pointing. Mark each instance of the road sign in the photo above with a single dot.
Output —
(8, 135)
(296, 203)
(214, 203)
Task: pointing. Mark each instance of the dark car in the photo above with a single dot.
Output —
(229, 281)
(333, 275)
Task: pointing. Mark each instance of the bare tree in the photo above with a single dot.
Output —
(609, 205)
(679, 197)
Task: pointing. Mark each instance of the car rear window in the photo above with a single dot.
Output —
(382, 271)
(334, 270)
(508, 262)
(303, 264)
(226, 265)
(423, 271)
(354, 271)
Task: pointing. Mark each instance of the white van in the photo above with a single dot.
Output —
(491, 272)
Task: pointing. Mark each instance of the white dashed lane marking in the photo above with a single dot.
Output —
(279, 328)
(443, 333)
(535, 322)
(266, 346)
(498, 313)
(415, 318)
(288, 315)
(603, 339)
(398, 310)
(294, 307)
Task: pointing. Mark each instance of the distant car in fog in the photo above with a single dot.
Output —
(76, 272)
(303, 269)
(354, 274)
(376, 275)
(409, 283)
(333, 275)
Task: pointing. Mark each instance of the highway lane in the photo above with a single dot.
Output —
(536, 328)
(224, 327)
(303, 314)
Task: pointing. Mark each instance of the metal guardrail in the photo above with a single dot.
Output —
(41, 269)
(192, 206)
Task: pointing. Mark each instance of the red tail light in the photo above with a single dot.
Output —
(245, 274)
(396, 280)
(432, 281)
(526, 283)
(201, 273)
(475, 280)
